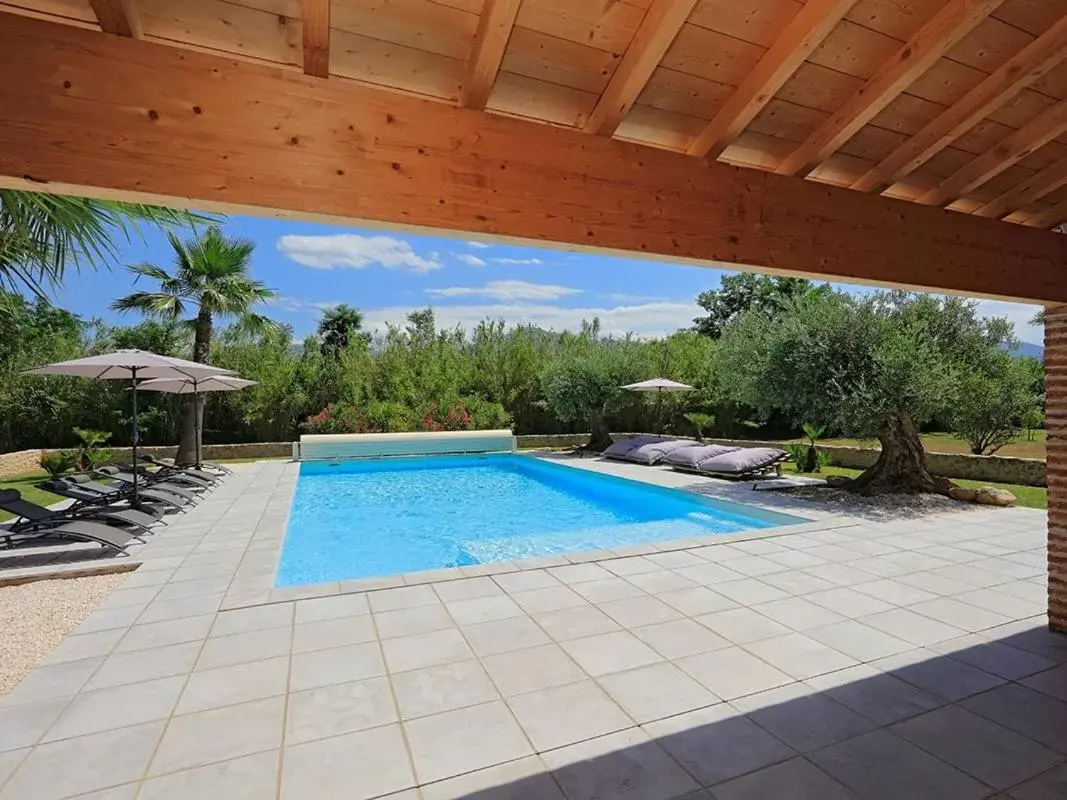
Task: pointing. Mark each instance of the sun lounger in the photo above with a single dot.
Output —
(85, 498)
(650, 451)
(166, 469)
(170, 462)
(163, 486)
(34, 515)
(79, 531)
(111, 494)
(693, 455)
(172, 476)
(742, 463)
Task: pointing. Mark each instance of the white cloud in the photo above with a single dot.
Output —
(287, 303)
(474, 261)
(1018, 313)
(354, 251)
(623, 297)
(516, 261)
(478, 245)
(650, 319)
(508, 290)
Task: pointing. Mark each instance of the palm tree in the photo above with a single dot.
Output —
(42, 234)
(211, 273)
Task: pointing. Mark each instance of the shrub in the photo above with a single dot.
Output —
(486, 415)
(455, 418)
(336, 418)
(391, 417)
(58, 463)
(700, 422)
(89, 454)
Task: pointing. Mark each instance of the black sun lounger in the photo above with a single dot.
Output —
(163, 486)
(35, 515)
(109, 494)
(173, 476)
(172, 469)
(79, 531)
(160, 462)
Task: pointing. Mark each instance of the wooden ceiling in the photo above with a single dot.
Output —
(955, 103)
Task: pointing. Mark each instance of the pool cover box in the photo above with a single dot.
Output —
(338, 446)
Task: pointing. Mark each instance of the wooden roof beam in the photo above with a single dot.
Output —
(657, 30)
(118, 17)
(804, 33)
(315, 24)
(490, 42)
(1035, 187)
(1049, 218)
(1035, 134)
(1025, 68)
(943, 32)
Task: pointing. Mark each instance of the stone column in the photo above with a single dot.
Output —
(1056, 462)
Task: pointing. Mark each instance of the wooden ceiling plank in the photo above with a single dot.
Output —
(812, 23)
(1041, 183)
(953, 22)
(655, 34)
(118, 17)
(490, 42)
(1049, 218)
(315, 24)
(1021, 71)
(1017, 146)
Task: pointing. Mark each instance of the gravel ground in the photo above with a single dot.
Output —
(34, 618)
(882, 507)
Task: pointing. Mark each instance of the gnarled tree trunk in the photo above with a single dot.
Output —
(193, 412)
(600, 433)
(901, 467)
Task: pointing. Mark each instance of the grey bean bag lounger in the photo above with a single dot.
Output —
(745, 462)
(655, 452)
(619, 449)
(692, 456)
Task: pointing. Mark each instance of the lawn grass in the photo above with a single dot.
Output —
(1019, 447)
(1027, 496)
(25, 486)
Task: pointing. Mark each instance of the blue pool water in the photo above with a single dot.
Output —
(361, 519)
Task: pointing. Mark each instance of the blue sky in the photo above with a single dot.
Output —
(386, 274)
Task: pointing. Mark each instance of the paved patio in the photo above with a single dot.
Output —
(838, 659)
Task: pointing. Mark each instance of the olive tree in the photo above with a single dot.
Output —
(995, 399)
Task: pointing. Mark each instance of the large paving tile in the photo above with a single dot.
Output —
(563, 715)
(411, 621)
(250, 777)
(733, 672)
(335, 632)
(86, 645)
(804, 719)
(634, 612)
(319, 608)
(525, 581)
(226, 651)
(255, 618)
(982, 749)
(1024, 711)
(425, 650)
(679, 638)
(117, 707)
(535, 668)
(940, 675)
(749, 591)
(911, 627)
(859, 641)
(161, 634)
(355, 766)
(880, 765)
(54, 680)
(234, 684)
(24, 724)
(195, 740)
(799, 656)
(961, 615)
(143, 665)
(159, 610)
(504, 636)
(875, 695)
(798, 613)
(483, 609)
(339, 708)
(1051, 785)
(574, 623)
(848, 602)
(742, 625)
(539, 601)
(468, 739)
(610, 652)
(656, 691)
(997, 657)
(403, 597)
(717, 743)
(577, 573)
(444, 687)
(337, 665)
(84, 764)
(524, 779)
(797, 779)
(696, 601)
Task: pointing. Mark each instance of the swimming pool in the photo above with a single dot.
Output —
(360, 519)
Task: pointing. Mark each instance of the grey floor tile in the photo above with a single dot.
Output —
(143, 665)
(535, 668)
(656, 691)
(795, 582)
(636, 612)
(577, 573)
(337, 665)
(1051, 785)
(878, 696)
(117, 707)
(965, 616)
(695, 601)
(342, 605)
(982, 749)
(563, 715)
(804, 719)
(24, 724)
(797, 779)
(1052, 682)
(915, 628)
(620, 766)
(355, 766)
(225, 651)
(339, 708)
(195, 740)
(410, 621)
(662, 582)
(574, 623)
(444, 687)
(524, 779)
(749, 591)
(540, 601)
(54, 680)
(604, 590)
(610, 652)
(10, 760)
(403, 597)
(450, 744)
(1024, 711)
(484, 609)
(159, 610)
(709, 574)
(848, 602)
(239, 683)
(243, 620)
(466, 589)
(109, 619)
(88, 763)
(680, 638)
(85, 645)
(799, 656)
(940, 675)
(733, 672)
(326, 633)
(254, 776)
(525, 581)
(880, 765)
(161, 634)
(894, 592)
(798, 613)
(504, 635)
(859, 641)
(996, 657)
(742, 625)
(425, 650)
(717, 743)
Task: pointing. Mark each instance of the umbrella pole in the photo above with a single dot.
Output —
(135, 503)
(196, 412)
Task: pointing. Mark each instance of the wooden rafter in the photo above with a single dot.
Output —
(1021, 143)
(1035, 187)
(315, 23)
(1029, 65)
(490, 41)
(117, 16)
(918, 54)
(658, 29)
(804, 33)
(1049, 218)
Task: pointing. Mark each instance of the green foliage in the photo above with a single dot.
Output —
(339, 327)
(90, 454)
(389, 416)
(336, 418)
(748, 292)
(1032, 420)
(994, 399)
(700, 422)
(58, 463)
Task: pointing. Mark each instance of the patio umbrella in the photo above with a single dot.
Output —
(658, 386)
(130, 365)
(193, 386)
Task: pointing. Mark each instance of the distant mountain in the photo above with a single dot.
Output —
(1029, 349)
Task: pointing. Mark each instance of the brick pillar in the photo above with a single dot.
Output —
(1056, 462)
